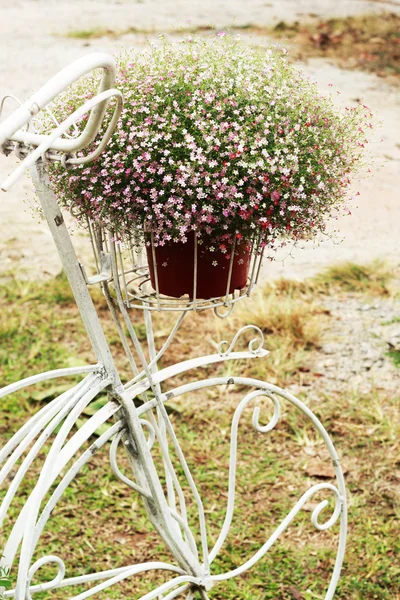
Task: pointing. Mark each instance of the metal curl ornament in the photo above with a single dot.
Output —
(318, 509)
(48, 585)
(233, 456)
(286, 522)
(221, 315)
(116, 470)
(252, 349)
(256, 412)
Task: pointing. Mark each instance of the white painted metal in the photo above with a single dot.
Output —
(131, 275)
(10, 129)
(124, 278)
(23, 383)
(50, 140)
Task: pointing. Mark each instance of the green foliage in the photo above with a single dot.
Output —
(395, 356)
(373, 277)
(5, 581)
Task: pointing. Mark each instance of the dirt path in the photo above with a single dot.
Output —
(33, 47)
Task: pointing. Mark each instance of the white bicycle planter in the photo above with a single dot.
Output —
(140, 429)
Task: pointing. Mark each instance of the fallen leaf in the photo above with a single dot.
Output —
(318, 469)
(296, 595)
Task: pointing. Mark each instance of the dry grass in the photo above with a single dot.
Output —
(292, 325)
(375, 278)
(366, 42)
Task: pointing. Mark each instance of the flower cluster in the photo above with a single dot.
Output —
(220, 138)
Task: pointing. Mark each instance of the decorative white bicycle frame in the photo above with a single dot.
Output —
(139, 427)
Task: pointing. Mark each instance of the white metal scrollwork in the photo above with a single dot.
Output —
(142, 428)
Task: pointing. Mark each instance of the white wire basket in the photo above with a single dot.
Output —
(125, 266)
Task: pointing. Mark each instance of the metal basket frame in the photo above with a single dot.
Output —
(125, 266)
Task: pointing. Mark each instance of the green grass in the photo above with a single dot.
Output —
(395, 356)
(100, 523)
(99, 32)
(88, 34)
(392, 321)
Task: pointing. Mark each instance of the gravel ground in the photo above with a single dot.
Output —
(355, 353)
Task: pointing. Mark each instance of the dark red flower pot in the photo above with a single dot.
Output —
(175, 269)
